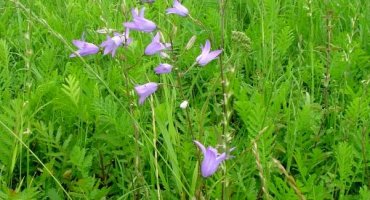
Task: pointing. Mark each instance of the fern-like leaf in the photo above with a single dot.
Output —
(72, 89)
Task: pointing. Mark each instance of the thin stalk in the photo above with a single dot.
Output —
(187, 113)
(364, 147)
(179, 85)
(224, 106)
(260, 170)
(364, 157)
(328, 61)
(136, 132)
(190, 129)
(155, 149)
(290, 179)
(311, 50)
(102, 167)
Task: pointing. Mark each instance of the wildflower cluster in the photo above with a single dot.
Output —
(139, 23)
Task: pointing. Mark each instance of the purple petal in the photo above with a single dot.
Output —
(163, 69)
(131, 25)
(182, 10)
(142, 12)
(206, 56)
(145, 90)
(221, 158)
(207, 47)
(201, 147)
(135, 12)
(157, 38)
(153, 48)
(214, 54)
(84, 48)
(209, 163)
(172, 11)
(144, 25)
(78, 43)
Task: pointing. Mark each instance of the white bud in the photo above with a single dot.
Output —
(184, 104)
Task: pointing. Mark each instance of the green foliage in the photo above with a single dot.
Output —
(344, 156)
(72, 89)
(93, 140)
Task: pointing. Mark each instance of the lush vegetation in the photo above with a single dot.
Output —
(290, 91)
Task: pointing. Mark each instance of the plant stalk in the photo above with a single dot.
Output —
(224, 104)
(155, 148)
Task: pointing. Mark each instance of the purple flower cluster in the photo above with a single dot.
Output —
(212, 159)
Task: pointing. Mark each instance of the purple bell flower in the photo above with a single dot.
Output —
(206, 56)
(211, 159)
(111, 44)
(178, 9)
(144, 91)
(84, 48)
(156, 46)
(139, 23)
(163, 68)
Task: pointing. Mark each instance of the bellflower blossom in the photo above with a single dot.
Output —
(156, 46)
(139, 23)
(212, 159)
(178, 9)
(111, 44)
(84, 48)
(144, 91)
(206, 56)
(163, 68)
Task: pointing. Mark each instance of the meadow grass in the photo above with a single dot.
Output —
(290, 91)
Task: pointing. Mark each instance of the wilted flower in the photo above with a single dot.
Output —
(139, 22)
(156, 46)
(111, 44)
(163, 68)
(184, 104)
(84, 48)
(145, 90)
(105, 30)
(206, 56)
(178, 9)
(211, 159)
(190, 42)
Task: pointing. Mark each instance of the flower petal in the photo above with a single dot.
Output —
(79, 44)
(201, 147)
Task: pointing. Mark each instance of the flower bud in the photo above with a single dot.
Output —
(184, 104)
